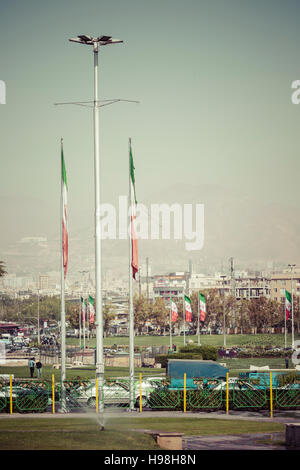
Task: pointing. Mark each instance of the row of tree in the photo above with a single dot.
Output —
(244, 314)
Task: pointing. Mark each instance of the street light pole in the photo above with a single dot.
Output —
(98, 277)
(95, 42)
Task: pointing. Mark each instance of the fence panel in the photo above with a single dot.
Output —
(162, 398)
(77, 394)
(4, 396)
(246, 395)
(208, 395)
(30, 396)
(287, 397)
(116, 393)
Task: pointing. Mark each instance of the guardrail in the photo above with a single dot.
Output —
(24, 396)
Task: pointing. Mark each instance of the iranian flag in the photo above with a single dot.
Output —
(288, 304)
(174, 311)
(202, 307)
(188, 309)
(91, 309)
(133, 202)
(64, 190)
(83, 309)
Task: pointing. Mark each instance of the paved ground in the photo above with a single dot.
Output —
(269, 441)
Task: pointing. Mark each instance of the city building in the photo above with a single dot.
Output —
(43, 282)
(283, 281)
(172, 284)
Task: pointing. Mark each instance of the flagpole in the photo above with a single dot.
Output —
(293, 343)
(199, 320)
(284, 310)
(88, 318)
(170, 320)
(62, 314)
(292, 267)
(84, 315)
(183, 310)
(79, 322)
(131, 319)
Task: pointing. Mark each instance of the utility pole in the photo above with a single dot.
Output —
(147, 274)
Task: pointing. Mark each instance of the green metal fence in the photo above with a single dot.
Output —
(289, 397)
(37, 396)
(30, 396)
(208, 395)
(246, 395)
(162, 398)
(3, 396)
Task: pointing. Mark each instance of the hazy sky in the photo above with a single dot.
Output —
(213, 78)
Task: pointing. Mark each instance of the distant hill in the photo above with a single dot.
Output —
(254, 233)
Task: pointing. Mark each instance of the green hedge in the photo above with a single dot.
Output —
(208, 353)
(263, 354)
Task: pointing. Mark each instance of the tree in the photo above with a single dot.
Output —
(108, 316)
(141, 312)
(159, 314)
(2, 269)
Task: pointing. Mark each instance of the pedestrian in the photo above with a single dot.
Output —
(31, 366)
(39, 368)
(286, 362)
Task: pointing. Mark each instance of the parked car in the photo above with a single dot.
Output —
(33, 398)
(34, 350)
(118, 392)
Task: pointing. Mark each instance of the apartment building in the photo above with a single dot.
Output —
(283, 281)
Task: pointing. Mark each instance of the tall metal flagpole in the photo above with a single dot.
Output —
(170, 320)
(293, 340)
(88, 318)
(83, 324)
(62, 314)
(131, 317)
(38, 315)
(199, 344)
(284, 312)
(183, 309)
(80, 323)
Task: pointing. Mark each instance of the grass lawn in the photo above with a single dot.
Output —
(66, 433)
(89, 372)
(212, 340)
(235, 364)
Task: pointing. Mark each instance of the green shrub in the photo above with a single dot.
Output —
(290, 378)
(162, 358)
(191, 348)
(208, 353)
